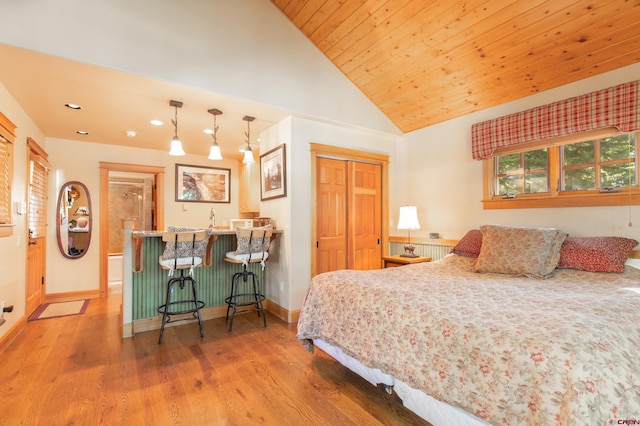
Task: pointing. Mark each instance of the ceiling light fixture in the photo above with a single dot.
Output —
(248, 153)
(176, 145)
(73, 106)
(214, 152)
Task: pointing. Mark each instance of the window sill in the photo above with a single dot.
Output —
(564, 200)
(6, 230)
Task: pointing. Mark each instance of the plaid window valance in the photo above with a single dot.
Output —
(617, 107)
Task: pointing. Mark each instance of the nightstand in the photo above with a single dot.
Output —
(397, 260)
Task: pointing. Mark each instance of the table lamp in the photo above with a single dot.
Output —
(408, 220)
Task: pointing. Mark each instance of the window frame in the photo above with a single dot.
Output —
(7, 133)
(555, 198)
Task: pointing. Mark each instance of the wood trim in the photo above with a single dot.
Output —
(71, 295)
(329, 151)
(14, 331)
(105, 168)
(9, 128)
(424, 240)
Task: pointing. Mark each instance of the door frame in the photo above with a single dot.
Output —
(36, 152)
(346, 154)
(105, 168)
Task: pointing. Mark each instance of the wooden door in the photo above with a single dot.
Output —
(36, 219)
(331, 217)
(365, 215)
(349, 215)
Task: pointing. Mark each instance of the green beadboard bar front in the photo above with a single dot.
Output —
(214, 281)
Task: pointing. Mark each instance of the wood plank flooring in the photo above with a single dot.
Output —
(78, 371)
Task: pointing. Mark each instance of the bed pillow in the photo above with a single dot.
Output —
(469, 245)
(595, 254)
(533, 252)
(184, 248)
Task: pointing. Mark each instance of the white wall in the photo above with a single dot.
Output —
(440, 177)
(13, 249)
(80, 161)
(294, 213)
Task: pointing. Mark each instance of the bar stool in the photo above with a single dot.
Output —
(184, 251)
(253, 247)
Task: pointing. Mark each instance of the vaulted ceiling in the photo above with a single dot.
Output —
(424, 62)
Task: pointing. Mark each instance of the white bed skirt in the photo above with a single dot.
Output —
(435, 412)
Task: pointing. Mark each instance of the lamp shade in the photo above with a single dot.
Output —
(176, 147)
(248, 157)
(214, 152)
(408, 218)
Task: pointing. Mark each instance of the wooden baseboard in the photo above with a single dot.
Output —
(284, 314)
(154, 323)
(13, 332)
(72, 295)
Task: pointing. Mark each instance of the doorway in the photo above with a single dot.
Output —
(138, 183)
(36, 218)
(131, 197)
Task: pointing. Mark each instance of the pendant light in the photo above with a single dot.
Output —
(176, 145)
(248, 153)
(214, 152)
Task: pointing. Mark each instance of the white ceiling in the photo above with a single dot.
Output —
(114, 102)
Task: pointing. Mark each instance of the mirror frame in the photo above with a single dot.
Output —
(62, 193)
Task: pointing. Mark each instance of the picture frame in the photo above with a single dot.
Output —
(273, 174)
(202, 184)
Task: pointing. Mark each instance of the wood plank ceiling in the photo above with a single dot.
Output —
(424, 62)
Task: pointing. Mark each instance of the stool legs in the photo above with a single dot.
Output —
(171, 308)
(253, 301)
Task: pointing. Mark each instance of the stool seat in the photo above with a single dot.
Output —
(246, 293)
(184, 251)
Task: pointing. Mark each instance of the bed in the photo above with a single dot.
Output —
(463, 343)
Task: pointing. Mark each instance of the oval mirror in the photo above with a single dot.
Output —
(73, 220)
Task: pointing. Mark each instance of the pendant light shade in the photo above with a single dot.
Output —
(248, 153)
(176, 144)
(214, 152)
(176, 147)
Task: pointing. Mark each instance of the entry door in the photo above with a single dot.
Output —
(36, 215)
(349, 219)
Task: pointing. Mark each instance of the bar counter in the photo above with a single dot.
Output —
(145, 282)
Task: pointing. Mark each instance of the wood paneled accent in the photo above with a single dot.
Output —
(426, 62)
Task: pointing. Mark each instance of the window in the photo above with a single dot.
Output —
(601, 169)
(604, 164)
(7, 136)
(523, 173)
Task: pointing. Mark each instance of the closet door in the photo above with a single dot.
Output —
(331, 215)
(365, 215)
(348, 216)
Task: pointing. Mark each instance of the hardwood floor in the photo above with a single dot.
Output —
(78, 371)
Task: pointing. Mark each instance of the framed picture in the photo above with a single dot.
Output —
(273, 174)
(202, 184)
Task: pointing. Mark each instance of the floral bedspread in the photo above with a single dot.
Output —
(510, 350)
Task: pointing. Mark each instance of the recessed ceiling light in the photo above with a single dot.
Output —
(208, 131)
(157, 122)
(131, 133)
(73, 106)
(82, 132)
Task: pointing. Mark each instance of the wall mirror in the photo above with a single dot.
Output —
(73, 220)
